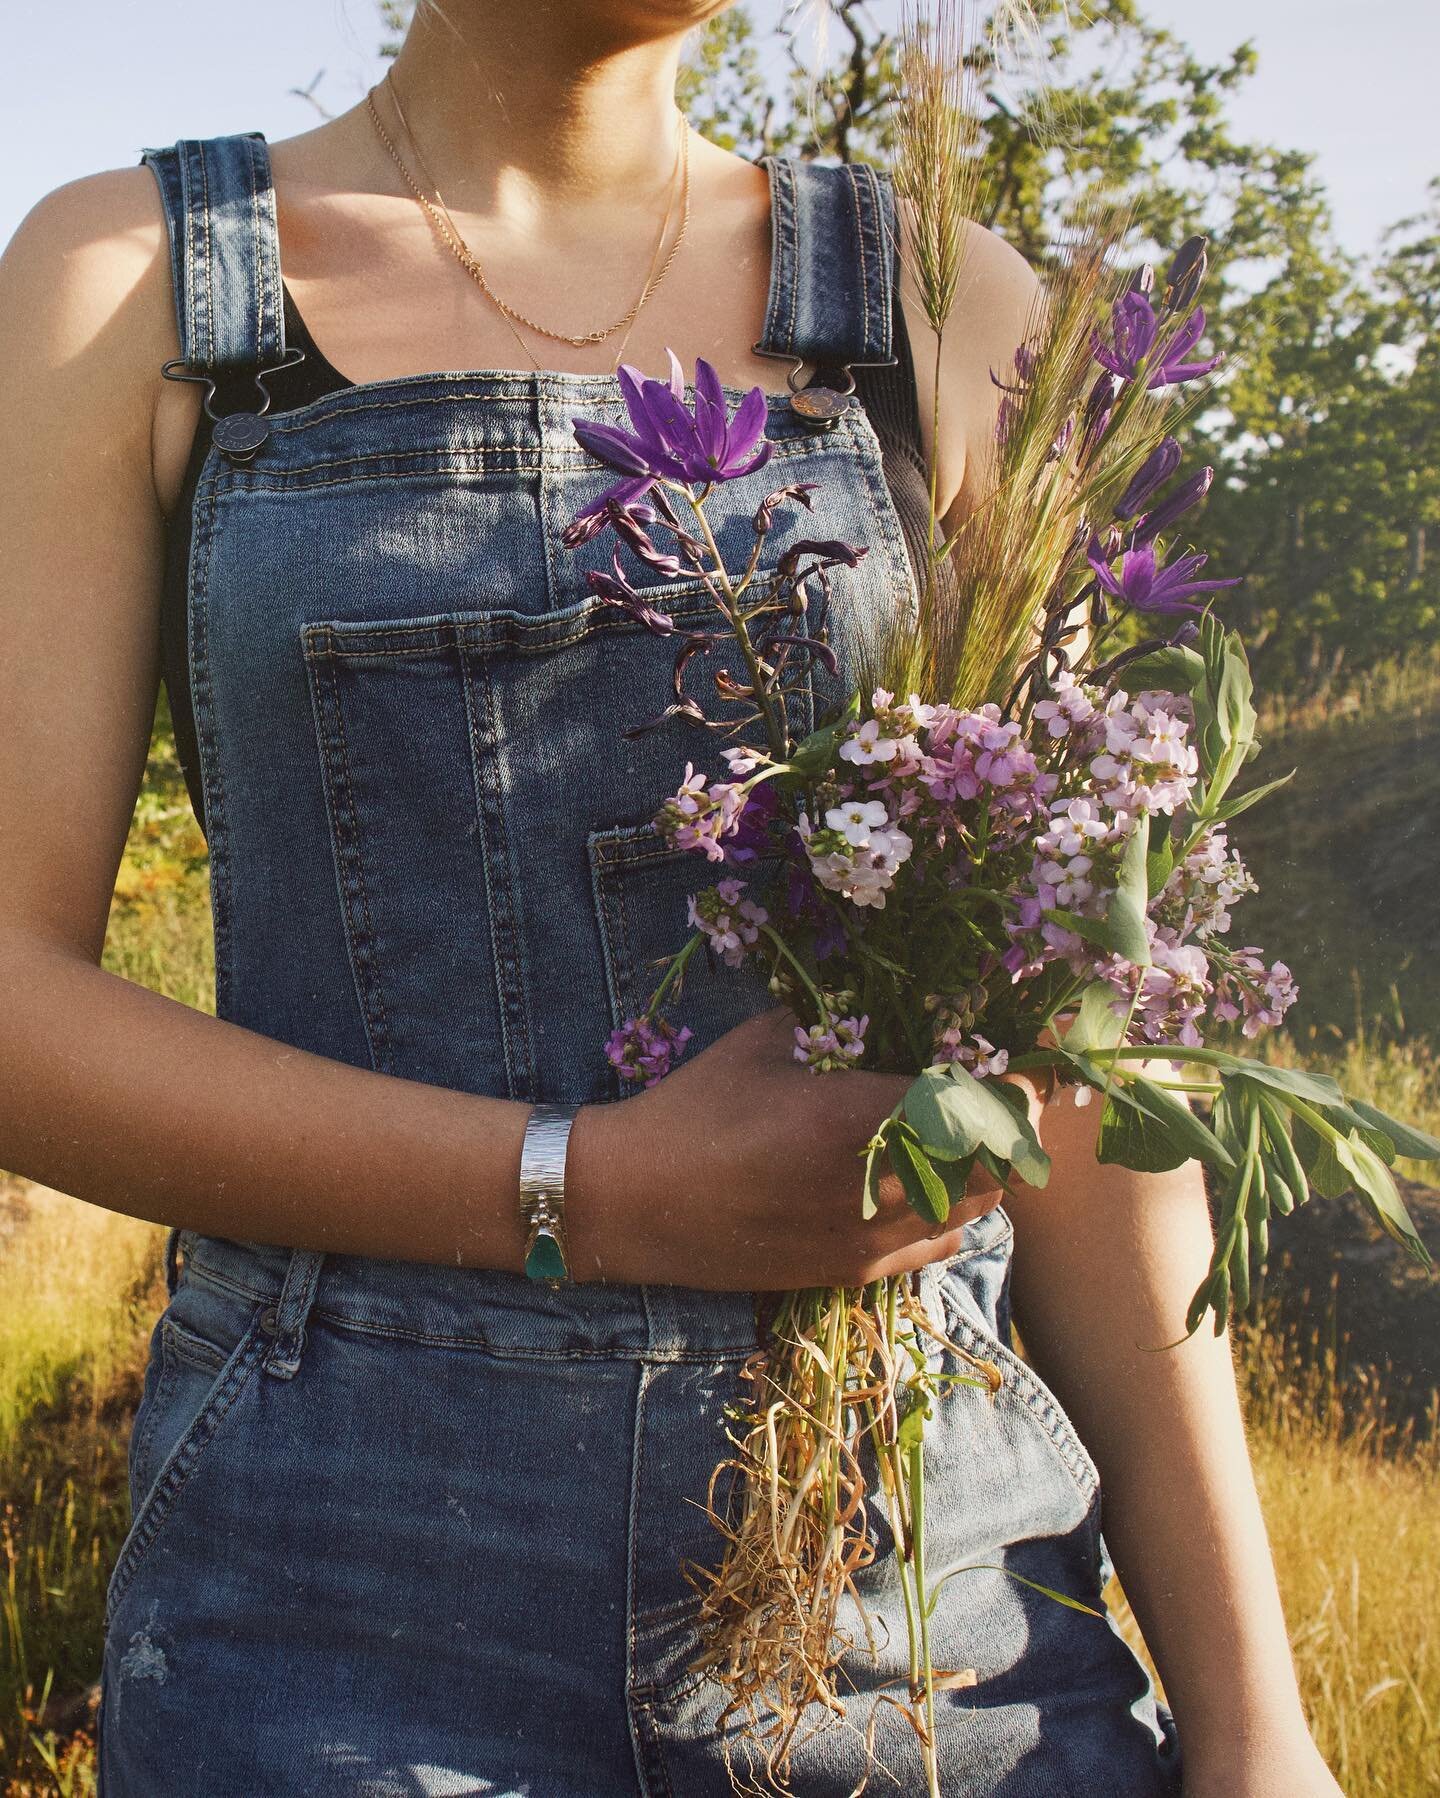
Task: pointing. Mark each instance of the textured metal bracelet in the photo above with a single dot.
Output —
(542, 1191)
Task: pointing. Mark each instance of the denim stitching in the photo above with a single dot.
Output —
(873, 240)
(349, 865)
(853, 183)
(632, 1522)
(594, 390)
(1038, 1399)
(334, 638)
(212, 782)
(505, 949)
(478, 459)
(183, 1460)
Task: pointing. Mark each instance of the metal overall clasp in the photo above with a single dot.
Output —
(823, 400)
(237, 434)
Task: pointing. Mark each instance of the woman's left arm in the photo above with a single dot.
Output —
(1105, 1263)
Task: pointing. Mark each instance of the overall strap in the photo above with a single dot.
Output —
(219, 205)
(833, 264)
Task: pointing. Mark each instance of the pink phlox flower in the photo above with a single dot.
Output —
(1257, 995)
(824, 1049)
(697, 819)
(1071, 707)
(644, 1049)
(731, 922)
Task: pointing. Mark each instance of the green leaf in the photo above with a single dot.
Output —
(1096, 1024)
(1160, 855)
(924, 1188)
(815, 753)
(1411, 1143)
(874, 1149)
(1283, 1151)
(1125, 913)
(1148, 1129)
(1232, 808)
(911, 1432)
(955, 1115)
(1323, 1168)
(1315, 1089)
(1232, 701)
(1175, 669)
(1376, 1184)
(1073, 1604)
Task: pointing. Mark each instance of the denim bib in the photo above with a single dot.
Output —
(401, 1528)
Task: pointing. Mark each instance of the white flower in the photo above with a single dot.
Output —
(856, 819)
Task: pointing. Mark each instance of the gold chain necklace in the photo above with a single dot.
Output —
(446, 229)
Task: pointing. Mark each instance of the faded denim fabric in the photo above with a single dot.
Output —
(405, 1529)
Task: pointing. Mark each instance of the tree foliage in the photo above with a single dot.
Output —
(1323, 431)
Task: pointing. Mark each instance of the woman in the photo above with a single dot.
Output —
(405, 1520)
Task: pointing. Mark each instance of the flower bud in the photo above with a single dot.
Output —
(1186, 274)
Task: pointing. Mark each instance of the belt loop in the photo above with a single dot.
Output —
(285, 1321)
(172, 1270)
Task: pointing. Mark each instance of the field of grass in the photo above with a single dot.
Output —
(1349, 1493)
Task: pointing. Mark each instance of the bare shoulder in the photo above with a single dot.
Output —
(997, 304)
(85, 285)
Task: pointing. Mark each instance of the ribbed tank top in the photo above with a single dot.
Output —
(888, 395)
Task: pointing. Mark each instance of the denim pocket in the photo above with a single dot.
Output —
(206, 1347)
(641, 885)
(472, 761)
(974, 1288)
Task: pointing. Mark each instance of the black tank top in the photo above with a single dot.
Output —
(887, 393)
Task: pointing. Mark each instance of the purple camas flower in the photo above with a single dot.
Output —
(670, 441)
(1189, 493)
(1152, 474)
(1145, 586)
(644, 1049)
(1135, 328)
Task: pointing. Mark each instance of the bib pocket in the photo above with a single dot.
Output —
(500, 886)
(641, 885)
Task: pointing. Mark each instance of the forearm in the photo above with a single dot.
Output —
(1106, 1261)
(133, 1101)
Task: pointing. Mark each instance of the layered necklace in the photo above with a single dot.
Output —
(439, 216)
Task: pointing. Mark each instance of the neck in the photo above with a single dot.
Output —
(518, 106)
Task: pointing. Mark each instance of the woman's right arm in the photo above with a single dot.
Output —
(743, 1174)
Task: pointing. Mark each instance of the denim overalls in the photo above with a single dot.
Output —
(401, 1528)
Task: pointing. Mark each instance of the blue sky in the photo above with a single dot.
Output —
(90, 83)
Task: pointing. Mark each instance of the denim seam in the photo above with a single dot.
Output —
(633, 1685)
(1042, 1405)
(299, 418)
(501, 899)
(472, 461)
(212, 780)
(700, 1352)
(479, 636)
(182, 1462)
(781, 300)
(349, 863)
(853, 183)
(877, 262)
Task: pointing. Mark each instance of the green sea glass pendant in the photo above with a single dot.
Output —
(544, 1260)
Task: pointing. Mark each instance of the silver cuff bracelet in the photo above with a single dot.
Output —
(542, 1191)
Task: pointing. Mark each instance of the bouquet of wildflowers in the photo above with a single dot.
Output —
(1008, 849)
